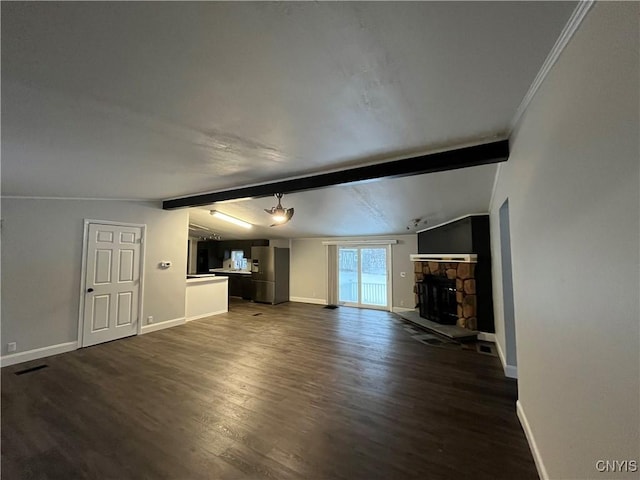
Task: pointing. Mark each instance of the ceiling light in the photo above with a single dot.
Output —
(230, 219)
(279, 214)
(415, 223)
(195, 226)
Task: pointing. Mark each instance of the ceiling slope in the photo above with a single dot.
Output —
(159, 100)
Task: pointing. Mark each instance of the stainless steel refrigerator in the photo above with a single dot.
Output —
(270, 274)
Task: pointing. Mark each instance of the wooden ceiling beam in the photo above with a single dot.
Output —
(484, 154)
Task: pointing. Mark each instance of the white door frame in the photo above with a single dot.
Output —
(359, 246)
(83, 271)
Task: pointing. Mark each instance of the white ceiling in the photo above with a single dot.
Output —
(146, 100)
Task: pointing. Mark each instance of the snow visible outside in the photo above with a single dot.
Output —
(373, 276)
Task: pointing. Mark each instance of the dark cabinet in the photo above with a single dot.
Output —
(246, 246)
(239, 284)
(212, 253)
(245, 291)
(235, 286)
(225, 247)
(202, 260)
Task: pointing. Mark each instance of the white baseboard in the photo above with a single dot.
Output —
(37, 353)
(487, 337)
(402, 309)
(152, 327)
(316, 301)
(510, 371)
(205, 315)
(537, 458)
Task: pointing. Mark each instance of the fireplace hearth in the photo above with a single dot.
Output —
(460, 250)
(446, 292)
(437, 299)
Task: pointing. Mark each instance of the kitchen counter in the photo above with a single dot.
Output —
(228, 271)
(208, 278)
(206, 295)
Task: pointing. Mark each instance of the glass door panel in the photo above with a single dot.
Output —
(348, 275)
(363, 276)
(373, 276)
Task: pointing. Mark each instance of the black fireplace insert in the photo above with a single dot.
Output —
(437, 299)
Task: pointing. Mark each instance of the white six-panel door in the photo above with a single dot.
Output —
(112, 285)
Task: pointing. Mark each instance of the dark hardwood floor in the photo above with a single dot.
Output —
(291, 391)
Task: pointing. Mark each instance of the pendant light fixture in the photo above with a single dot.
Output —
(279, 214)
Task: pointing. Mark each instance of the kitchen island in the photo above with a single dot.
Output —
(206, 295)
(239, 282)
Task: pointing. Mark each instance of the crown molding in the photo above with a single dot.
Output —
(567, 33)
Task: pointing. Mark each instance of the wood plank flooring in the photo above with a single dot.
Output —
(291, 391)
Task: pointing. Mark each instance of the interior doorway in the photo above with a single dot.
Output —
(363, 276)
(111, 282)
(507, 290)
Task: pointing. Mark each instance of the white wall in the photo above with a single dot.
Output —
(309, 268)
(572, 181)
(41, 263)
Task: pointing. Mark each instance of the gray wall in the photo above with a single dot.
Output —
(41, 265)
(572, 183)
(309, 268)
(279, 242)
(508, 315)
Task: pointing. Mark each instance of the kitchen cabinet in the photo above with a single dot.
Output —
(245, 290)
(227, 246)
(212, 253)
(235, 285)
(239, 284)
(202, 260)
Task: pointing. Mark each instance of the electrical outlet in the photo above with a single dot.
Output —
(149, 319)
(11, 347)
(402, 303)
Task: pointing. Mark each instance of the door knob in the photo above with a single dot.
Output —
(89, 290)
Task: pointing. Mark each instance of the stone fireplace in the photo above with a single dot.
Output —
(465, 286)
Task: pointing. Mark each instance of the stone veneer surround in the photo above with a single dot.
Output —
(464, 275)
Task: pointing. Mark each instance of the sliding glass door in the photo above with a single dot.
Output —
(363, 276)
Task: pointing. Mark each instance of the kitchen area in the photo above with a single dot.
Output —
(248, 269)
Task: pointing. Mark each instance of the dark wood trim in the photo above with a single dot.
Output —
(487, 153)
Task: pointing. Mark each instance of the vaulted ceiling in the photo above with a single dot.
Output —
(146, 100)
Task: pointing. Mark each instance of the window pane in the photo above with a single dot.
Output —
(348, 275)
(374, 276)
